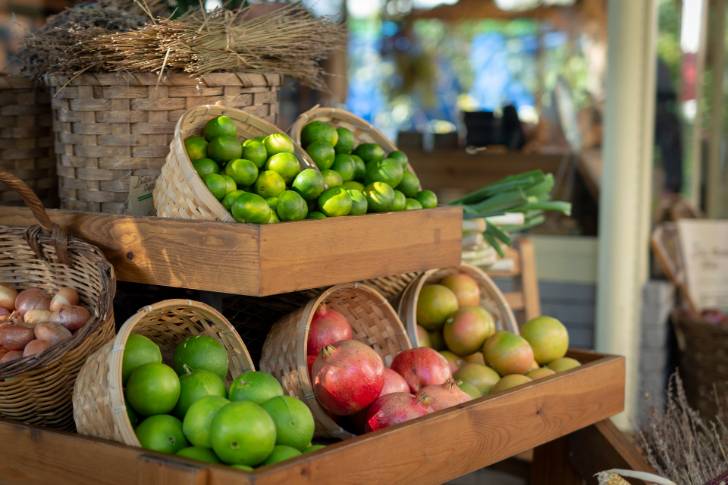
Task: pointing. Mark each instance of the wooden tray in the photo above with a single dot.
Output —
(432, 449)
(261, 260)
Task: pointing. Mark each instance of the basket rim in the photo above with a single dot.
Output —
(150, 78)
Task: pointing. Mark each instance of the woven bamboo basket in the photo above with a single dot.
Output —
(491, 298)
(179, 191)
(26, 140)
(113, 130)
(373, 321)
(37, 390)
(98, 398)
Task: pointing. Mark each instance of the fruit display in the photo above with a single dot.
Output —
(186, 408)
(32, 321)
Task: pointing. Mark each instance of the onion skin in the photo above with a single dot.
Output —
(35, 347)
(34, 317)
(64, 297)
(4, 314)
(71, 317)
(51, 332)
(7, 297)
(15, 337)
(11, 356)
(32, 299)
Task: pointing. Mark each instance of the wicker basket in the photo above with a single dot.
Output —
(98, 398)
(179, 191)
(113, 130)
(491, 299)
(37, 390)
(26, 140)
(374, 322)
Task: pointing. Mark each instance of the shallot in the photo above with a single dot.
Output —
(35, 347)
(32, 299)
(15, 337)
(64, 297)
(7, 297)
(34, 317)
(71, 317)
(11, 356)
(51, 332)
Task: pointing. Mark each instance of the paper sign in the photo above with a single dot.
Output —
(140, 195)
(704, 245)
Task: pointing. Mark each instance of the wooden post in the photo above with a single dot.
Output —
(625, 196)
(716, 178)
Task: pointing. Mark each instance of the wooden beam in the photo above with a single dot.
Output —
(716, 178)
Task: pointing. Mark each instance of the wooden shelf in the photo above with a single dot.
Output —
(261, 260)
(432, 449)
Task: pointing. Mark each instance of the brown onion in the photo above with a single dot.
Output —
(11, 356)
(15, 337)
(35, 347)
(7, 297)
(64, 297)
(51, 332)
(34, 317)
(4, 314)
(32, 299)
(71, 317)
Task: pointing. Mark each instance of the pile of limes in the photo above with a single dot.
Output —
(185, 408)
(260, 181)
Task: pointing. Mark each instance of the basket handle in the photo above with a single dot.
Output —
(59, 236)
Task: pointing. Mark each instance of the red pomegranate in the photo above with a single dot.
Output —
(393, 382)
(347, 377)
(444, 396)
(395, 408)
(327, 327)
(422, 367)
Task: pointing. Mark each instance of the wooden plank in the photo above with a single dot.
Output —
(551, 465)
(264, 260)
(515, 300)
(529, 281)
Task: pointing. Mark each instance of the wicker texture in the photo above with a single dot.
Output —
(491, 299)
(98, 398)
(37, 390)
(26, 139)
(373, 321)
(109, 127)
(179, 191)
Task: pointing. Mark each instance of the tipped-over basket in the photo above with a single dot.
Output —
(37, 390)
(373, 321)
(491, 298)
(179, 191)
(98, 398)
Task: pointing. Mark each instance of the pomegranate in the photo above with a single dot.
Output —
(395, 408)
(444, 396)
(327, 327)
(310, 359)
(347, 377)
(422, 367)
(393, 382)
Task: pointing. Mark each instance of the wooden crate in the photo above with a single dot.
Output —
(261, 260)
(432, 449)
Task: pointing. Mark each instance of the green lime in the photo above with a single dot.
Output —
(217, 184)
(196, 424)
(244, 172)
(370, 152)
(401, 157)
(198, 453)
(332, 178)
(410, 184)
(285, 164)
(201, 352)
(278, 143)
(256, 386)
(335, 202)
(272, 202)
(227, 202)
(133, 417)
(139, 350)
(412, 205)
(400, 201)
(314, 447)
(345, 165)
(380, 196)
(220, 126)
(321, 153)
(255, 151)
(359, 202)
(224, 148)
(346, 141)
(273, 219)
(309, 183)
(360, 168)
(162, 433)
(251, 208)
(270, 184)
(196, 385)
(316, 215)
(205, 166)
(318, 131)
(293, 420)
(153, 389)
(196, 147)
(230, 185)
(291, 206)
(242, 433)
(427, 198)
(387, 170)
(353, 185)
(281, 453)
(245, 468)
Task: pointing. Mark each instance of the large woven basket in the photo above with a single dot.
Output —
(373, 321)
(98, 398)
(179, 191)
(26, 139)
(113, 130)
(491, 298)
(37, 390)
